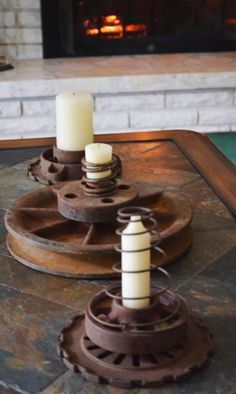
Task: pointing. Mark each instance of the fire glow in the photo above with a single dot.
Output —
(111, 26)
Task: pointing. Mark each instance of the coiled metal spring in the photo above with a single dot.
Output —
(100, 186)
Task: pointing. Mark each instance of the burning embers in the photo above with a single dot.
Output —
(112, 26)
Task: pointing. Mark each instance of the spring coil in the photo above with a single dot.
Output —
(114, 291)
(147, 216)
(100, 186)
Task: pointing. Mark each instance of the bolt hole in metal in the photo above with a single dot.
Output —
(123, 187)
(52, 169)
(107, 200)
(70, 196)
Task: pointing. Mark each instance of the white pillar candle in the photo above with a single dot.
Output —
(74, 118)
(98, 154)
(135, 284)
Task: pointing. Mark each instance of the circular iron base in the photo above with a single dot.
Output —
(74, 204)
(98, 365)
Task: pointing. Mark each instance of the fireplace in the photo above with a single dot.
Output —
(115, 27)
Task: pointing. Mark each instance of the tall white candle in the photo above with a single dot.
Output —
(98, 154)
(74, 118)
(135, 284)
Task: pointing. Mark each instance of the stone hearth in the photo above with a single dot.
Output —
(149, 92)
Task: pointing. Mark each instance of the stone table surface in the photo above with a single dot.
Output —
(35, 306)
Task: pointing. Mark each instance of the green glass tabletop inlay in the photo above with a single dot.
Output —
(226, 142)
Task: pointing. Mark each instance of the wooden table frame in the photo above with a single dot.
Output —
(210, 162)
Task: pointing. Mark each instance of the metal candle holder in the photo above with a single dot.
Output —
(96, 200)
(56, 165)
(125, 347)
(68, 229)
(101, 186)
(63, 231)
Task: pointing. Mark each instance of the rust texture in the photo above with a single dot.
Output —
(43, 234)
(136, 347)
(105, 186)
(56, 165)
(142, 348)
(74, 204)
(34, 307)
(43, 239)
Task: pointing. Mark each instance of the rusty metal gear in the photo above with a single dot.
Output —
(106, 345)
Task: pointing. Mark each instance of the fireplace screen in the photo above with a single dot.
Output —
(109, 27)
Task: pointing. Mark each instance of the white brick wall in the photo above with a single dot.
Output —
(129, 102)
(21, 126)
(18, 36)
(29, 51)
(20, 29)
(20, 4)
(235, 98)
(200, 99)
(163, 118)
(38, 108)
(10, 109)
(8, 50)
(212, 129)
(29, 19)
(7, 18)
(111, 121)
(217, 116)
(211, 111)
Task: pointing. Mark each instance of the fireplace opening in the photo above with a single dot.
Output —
(115, 27)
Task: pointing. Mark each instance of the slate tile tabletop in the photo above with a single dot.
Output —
(36, 306)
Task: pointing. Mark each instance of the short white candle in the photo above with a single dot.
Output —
(74, 118)
(98, 154)
(135, 284)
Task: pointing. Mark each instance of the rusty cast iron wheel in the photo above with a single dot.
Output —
(42, 239)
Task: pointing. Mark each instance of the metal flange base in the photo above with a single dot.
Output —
(74, 204)
(80, 354)
(52, 167)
